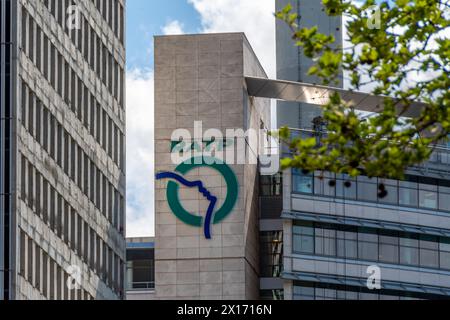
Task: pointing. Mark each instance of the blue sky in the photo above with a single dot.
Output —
(146, 18)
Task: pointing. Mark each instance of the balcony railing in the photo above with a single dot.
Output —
(141, 285)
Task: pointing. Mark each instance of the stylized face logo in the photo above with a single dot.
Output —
(212, 215)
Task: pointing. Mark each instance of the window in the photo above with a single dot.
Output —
(46, 131)
(45, 207)
(74, 161)
(73, 92)
(46, 44)
(59, 214)
(325, 241)
(80, 236)
(31, 112)
(38, 193)
(67, 78)
(98, 265)
(66, 223)
(389, 249)
(30, 260)
(31, 40)
(86, 98)
(24, 28)
(429, 254)
(322, 184)
(408, 193)
(444, 198)
(30, 186)
(304, 293)
(303, 241)
(444, 248)
(38, 121)
(269, 185)
(391, 187)
(367, 189)
(23, 241)
(428, 197)
(326, 294)
(86, 243)
(345, 187)
(24, 178)
(73, 230)
(52, 137)
(45, 274)
(92, 248)
(367, 245)
(59, 72)
(347, 245)
(409, 250)
(37, 265)
(53, 68)
(52, 279)
(38, 48)
(302, 183)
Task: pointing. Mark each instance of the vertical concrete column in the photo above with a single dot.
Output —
(201, 78)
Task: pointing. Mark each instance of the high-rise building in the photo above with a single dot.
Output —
(340, 232)
(62, 141)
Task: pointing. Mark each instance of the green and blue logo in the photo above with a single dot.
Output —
(212, 216)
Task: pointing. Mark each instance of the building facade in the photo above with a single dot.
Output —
(341, 232)
(201, 78)
(293, 235)
(140, 274)
(62, 209)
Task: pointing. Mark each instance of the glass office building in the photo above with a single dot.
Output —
(62, 141)
(336, 229)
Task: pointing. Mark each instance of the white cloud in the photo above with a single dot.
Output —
(140, 153)
(254, 17)
(173, 27)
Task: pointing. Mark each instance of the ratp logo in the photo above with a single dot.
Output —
(212, 216)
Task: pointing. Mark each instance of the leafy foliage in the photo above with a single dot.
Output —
(407, 59)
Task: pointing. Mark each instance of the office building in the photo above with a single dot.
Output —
(294, 235)
(338, 230)
(225, 231)
(62, 181)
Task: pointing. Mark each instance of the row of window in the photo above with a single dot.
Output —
(35, 119)
(371, 245)
(51, 207)
(113, 13)
(44, 274)
(111, 10)
(417, 192)
(53, 66)
(318, 291)
(91, 46)
(70, 157)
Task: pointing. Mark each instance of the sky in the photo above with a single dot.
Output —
(146, 18)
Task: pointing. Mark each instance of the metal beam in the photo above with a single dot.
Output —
(320, 95)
